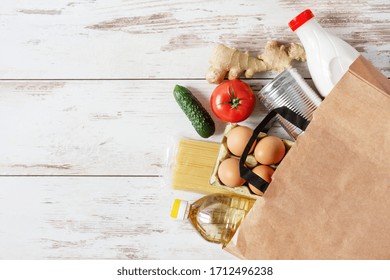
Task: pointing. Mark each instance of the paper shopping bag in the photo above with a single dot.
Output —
(330, 196)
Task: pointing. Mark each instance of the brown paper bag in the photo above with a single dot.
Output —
(330, 196)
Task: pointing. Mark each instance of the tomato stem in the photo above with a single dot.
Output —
(234, 101)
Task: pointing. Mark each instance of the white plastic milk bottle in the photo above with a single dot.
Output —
(328, 57)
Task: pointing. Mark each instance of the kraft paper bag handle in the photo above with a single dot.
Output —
(287, 114)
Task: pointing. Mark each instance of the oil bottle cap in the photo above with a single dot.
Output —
(300, 19)
(179, 208)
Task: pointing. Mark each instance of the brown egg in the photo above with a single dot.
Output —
(265, 172)
(270, 150)
(229, 173)
(237, 139)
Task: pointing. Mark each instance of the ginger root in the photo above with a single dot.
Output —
(230, 61)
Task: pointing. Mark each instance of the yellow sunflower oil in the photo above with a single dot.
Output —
(216, 217)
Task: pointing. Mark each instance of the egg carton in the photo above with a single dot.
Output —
(250, 162)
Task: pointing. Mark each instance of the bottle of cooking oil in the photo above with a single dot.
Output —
(216, 217)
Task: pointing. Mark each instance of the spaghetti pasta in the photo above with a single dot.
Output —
(193, 166)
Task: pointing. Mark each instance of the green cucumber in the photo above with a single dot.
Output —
(196, 113)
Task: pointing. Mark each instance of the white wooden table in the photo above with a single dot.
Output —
(87, 113)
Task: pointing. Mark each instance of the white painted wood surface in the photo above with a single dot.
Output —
(140, 39)
(95, 218)
(95, 127)
(87, 114)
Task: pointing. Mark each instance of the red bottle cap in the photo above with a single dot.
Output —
(300, 19)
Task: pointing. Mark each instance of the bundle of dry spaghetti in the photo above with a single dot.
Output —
(193, 166)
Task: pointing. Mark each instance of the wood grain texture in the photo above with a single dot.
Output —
(139, 39)
(96, 127)
(95, 218)
(86, 91)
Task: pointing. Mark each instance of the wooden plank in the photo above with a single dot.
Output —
(95, 218)
(96, 127)
(140, 39)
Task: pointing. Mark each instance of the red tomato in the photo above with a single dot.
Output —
(233, 101)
